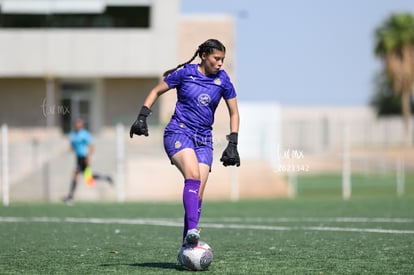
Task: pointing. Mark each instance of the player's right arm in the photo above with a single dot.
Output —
(153, 95)
(140, 126)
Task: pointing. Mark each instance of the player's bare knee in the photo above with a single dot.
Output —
(195, 175)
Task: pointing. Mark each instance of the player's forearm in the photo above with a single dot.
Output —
(91, 149)
(153, 95)
(151, 98)
(234, 122)
(234, 115)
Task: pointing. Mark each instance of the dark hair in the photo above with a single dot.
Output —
(207, 47)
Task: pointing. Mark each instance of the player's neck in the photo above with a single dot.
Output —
(201, 69)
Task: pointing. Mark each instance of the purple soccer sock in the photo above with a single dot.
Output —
(185, 227)
(200, 203)
(190, 202)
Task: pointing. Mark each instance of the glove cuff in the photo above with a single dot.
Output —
(145, 111)
(233, 138)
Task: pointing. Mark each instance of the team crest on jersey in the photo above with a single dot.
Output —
(204, 99)
(177, 144)
(217, 81)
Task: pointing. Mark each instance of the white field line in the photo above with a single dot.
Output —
(176, 223)
(160, 222)
(333, 219)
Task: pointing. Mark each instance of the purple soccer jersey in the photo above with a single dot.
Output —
(198, 96)
(197, 99)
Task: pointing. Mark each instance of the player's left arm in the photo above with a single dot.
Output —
(230, 156)
(233, 108)
(91, 149)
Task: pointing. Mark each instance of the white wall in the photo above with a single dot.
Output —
(269, 131)
(93, 52)
(320, 128)
(259, 135)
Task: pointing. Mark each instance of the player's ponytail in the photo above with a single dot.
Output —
(181, 65)
(207, 47)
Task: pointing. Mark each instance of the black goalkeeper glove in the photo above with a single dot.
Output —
(140, 126)
(230, 155)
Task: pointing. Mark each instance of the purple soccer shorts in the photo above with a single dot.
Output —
(175, 141)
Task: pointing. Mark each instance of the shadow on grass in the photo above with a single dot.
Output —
(158, 265)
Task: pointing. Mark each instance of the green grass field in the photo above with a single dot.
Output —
(363, 185)
(372, 233)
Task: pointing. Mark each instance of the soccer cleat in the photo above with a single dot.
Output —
(68, 201)
(192, 237)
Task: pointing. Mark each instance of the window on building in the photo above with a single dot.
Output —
(111, 17)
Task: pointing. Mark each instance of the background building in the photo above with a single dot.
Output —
(92, 59)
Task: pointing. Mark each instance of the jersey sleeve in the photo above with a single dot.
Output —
(229, 91)
(174, 79)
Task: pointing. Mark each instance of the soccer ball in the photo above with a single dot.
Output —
(196, 257)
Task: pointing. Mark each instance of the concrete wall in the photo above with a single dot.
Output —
(321, 128)
(92, 52)
(21, 102)
(124, 98)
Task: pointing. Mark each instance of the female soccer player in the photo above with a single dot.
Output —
(188, 137)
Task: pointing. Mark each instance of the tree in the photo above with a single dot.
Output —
(395, 45)
(385, 101)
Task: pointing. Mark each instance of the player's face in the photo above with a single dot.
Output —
(78, 124)
(213, 62)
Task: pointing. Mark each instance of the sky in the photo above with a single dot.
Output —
(301, 52)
